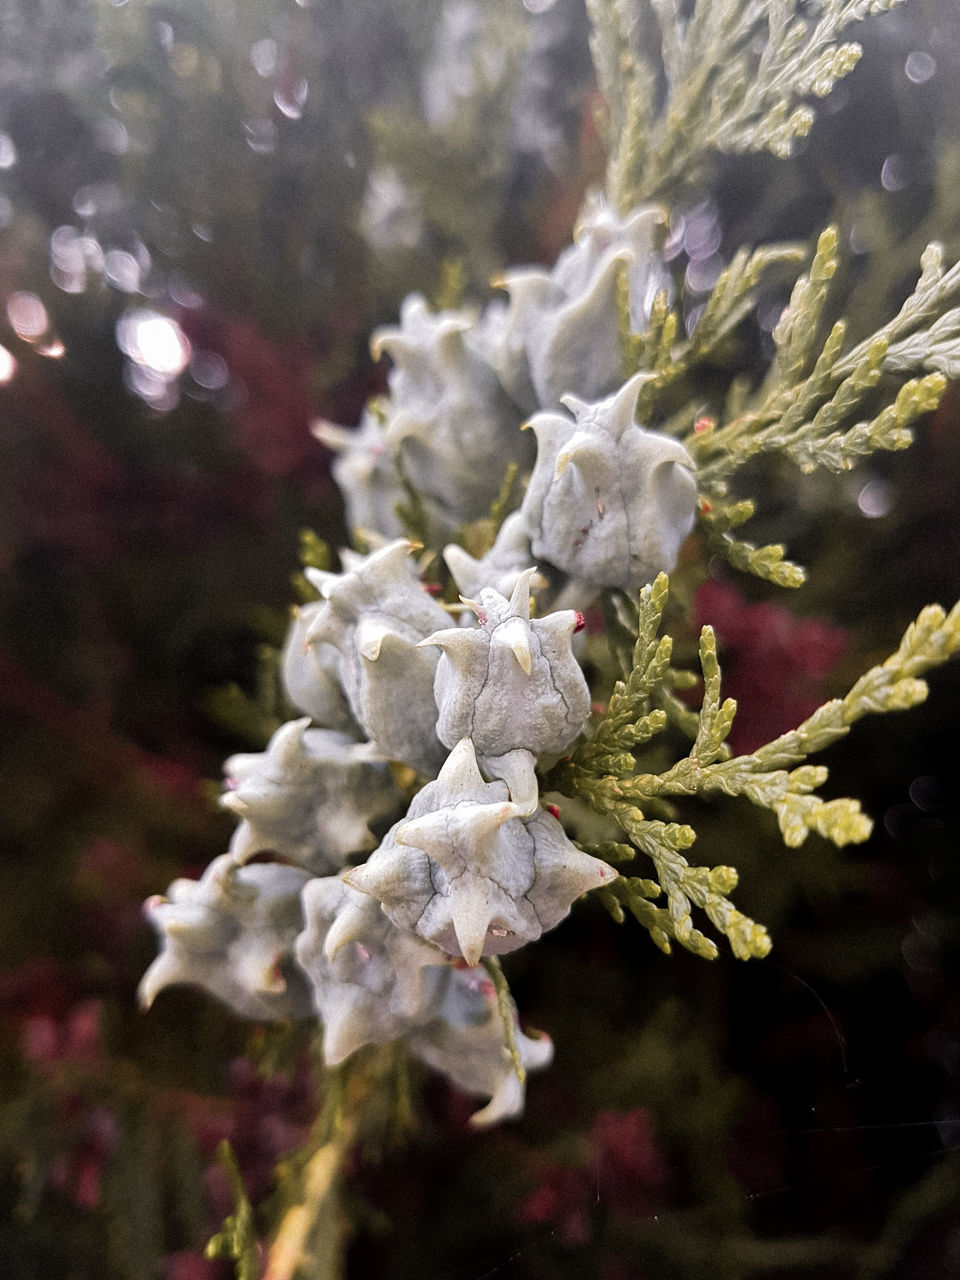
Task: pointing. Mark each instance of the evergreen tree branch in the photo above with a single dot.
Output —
(604, 772)
(738, 79)
(809, 408)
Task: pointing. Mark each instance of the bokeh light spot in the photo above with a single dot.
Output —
(291, 99)
(920, 66)
(27, 315)
(263, 55)
(875, 499)
(184, 60)
(703, 273)
(8, 365)
(122, 270)
(112, 136)
(895, 174)
(261, 135)
(209, 370)
(154, 341)
(8, 152)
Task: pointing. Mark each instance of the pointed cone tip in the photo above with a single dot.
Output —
(514, 634)
(520, 595)
(562, 461)
(370, 636)
(362, 879)
(410, 833)
(463, 755)
(319, 630)
(470, 940)
(235, 803)
(574, 404)
(472, 913)
(341, 1039)
(331, 434)
(506, 1102)
(343, 929)
(319, 579)
(151, 984)
(448, 638)
(623, 408)
(521, 651)
(287, 742)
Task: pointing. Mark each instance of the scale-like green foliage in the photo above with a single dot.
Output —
(237, 1239)
(738, 77)
(606, 772)
(505, 1010)
(668, 360)
(808, 408)
(821, 405)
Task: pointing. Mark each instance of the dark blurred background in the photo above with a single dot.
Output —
(205, 208)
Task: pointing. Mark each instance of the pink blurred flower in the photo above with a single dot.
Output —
(773, 663)
(621, 1167)
(48, 1041)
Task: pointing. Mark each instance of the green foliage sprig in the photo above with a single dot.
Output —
(767, 562)
(807, 408)
(822, 405)
(505, 1011)
(737, 77)
(605, 772)
(237, 1239)
(668, 360)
